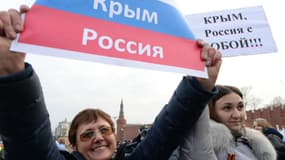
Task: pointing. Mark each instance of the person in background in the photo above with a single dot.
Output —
(282, 131)
(1, 149)
(128, 147)
(92, 133)
(272, 134)
(225, 136)
(61, 145)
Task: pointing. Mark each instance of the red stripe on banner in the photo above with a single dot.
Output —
(63, 30)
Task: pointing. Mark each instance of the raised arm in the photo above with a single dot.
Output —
(24, 120)
(181, 113)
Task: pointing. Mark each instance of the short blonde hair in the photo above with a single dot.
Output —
(262, 122)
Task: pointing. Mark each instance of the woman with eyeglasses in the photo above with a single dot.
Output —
(92, 135)
(24, 119)
(225, 137)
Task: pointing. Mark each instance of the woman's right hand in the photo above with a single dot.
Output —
(11, 24)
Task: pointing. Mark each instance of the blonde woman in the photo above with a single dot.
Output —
(272, 134)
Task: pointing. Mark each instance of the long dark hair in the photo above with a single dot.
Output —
(222, 91)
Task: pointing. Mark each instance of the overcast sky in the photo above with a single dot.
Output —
(71, 85)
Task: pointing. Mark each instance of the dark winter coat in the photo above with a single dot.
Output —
(276, 139)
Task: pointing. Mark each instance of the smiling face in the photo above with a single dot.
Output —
(229, 110)
(92, 134)
(96, 140)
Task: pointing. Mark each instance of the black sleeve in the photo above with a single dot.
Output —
(24, 120)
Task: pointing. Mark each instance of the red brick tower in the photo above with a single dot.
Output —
(121, 123)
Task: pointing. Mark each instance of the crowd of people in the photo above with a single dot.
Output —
(202, 120)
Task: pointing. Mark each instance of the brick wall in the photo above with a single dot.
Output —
(274, 114)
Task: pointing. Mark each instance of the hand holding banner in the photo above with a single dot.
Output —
(130, 32)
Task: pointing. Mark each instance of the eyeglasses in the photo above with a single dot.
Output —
(89, 134)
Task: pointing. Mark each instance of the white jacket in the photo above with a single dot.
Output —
(213, 141)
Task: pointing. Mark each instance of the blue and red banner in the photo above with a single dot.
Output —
(149, 34)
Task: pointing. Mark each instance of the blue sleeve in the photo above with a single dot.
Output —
(174, 121)
(24, 120)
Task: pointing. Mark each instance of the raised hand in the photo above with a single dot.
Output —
(10, 24)
(213, 61)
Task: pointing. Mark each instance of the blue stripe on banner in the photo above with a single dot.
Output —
(170, 20)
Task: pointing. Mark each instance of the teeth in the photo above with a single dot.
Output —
(93, 149)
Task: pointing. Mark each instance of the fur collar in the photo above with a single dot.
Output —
(222, 139)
